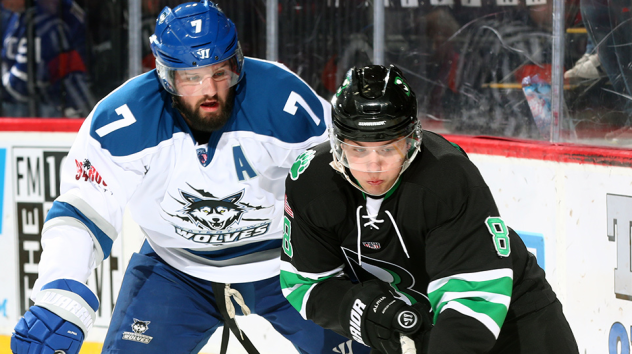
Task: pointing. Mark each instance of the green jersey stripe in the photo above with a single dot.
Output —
(502, 286)
(296, 287)
(289, 267)
(497, 312)
(472, 277)
(483, 318)
(483, 295)
(298, 298)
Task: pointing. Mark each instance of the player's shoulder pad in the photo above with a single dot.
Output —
(272, 100)
(441, 161)
(135, 116)
(311, 173)
(438, 143)
(315, 191)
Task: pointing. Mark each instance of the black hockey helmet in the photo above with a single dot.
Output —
(374, 103)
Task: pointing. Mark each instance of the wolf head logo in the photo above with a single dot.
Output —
(214, 214)
(140, 327)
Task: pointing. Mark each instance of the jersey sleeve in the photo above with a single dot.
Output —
(307, 127)
(307, 116)
(309, 257)
(471, 277)
(95, 189)
(283, 108)
(311, 262)
(318, 120)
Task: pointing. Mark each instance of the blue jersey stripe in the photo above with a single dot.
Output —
(228, 253)
(61, 209)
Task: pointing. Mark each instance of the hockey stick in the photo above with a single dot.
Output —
(408, 345)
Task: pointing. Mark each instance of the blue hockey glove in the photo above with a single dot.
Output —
(63, 313)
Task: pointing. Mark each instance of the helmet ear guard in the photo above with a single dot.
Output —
(193, 36)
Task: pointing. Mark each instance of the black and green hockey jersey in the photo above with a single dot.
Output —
(437, 236)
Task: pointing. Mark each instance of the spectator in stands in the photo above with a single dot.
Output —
(588, 66)
(5, 14)
(151, 9)
(609, 23)
(4, 18)
(61, 81)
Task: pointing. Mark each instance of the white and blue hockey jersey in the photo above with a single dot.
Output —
(213, 211)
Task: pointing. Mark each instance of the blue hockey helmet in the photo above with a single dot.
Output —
(194, 42)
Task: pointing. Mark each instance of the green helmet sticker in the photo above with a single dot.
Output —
(344, 85)
(301, 163)
(399, 81)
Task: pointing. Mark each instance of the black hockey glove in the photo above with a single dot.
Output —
(422, 336)
(371, 315)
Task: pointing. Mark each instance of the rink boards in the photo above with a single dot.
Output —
(571, 204)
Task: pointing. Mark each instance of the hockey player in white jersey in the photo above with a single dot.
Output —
(198, 149)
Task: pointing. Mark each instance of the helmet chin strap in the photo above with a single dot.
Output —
(336, 165)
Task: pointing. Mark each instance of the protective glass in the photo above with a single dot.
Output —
(380, 158)
(196, 81)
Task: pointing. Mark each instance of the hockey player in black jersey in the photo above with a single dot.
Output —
(398, 238)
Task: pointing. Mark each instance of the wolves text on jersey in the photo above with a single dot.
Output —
(216, 220)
